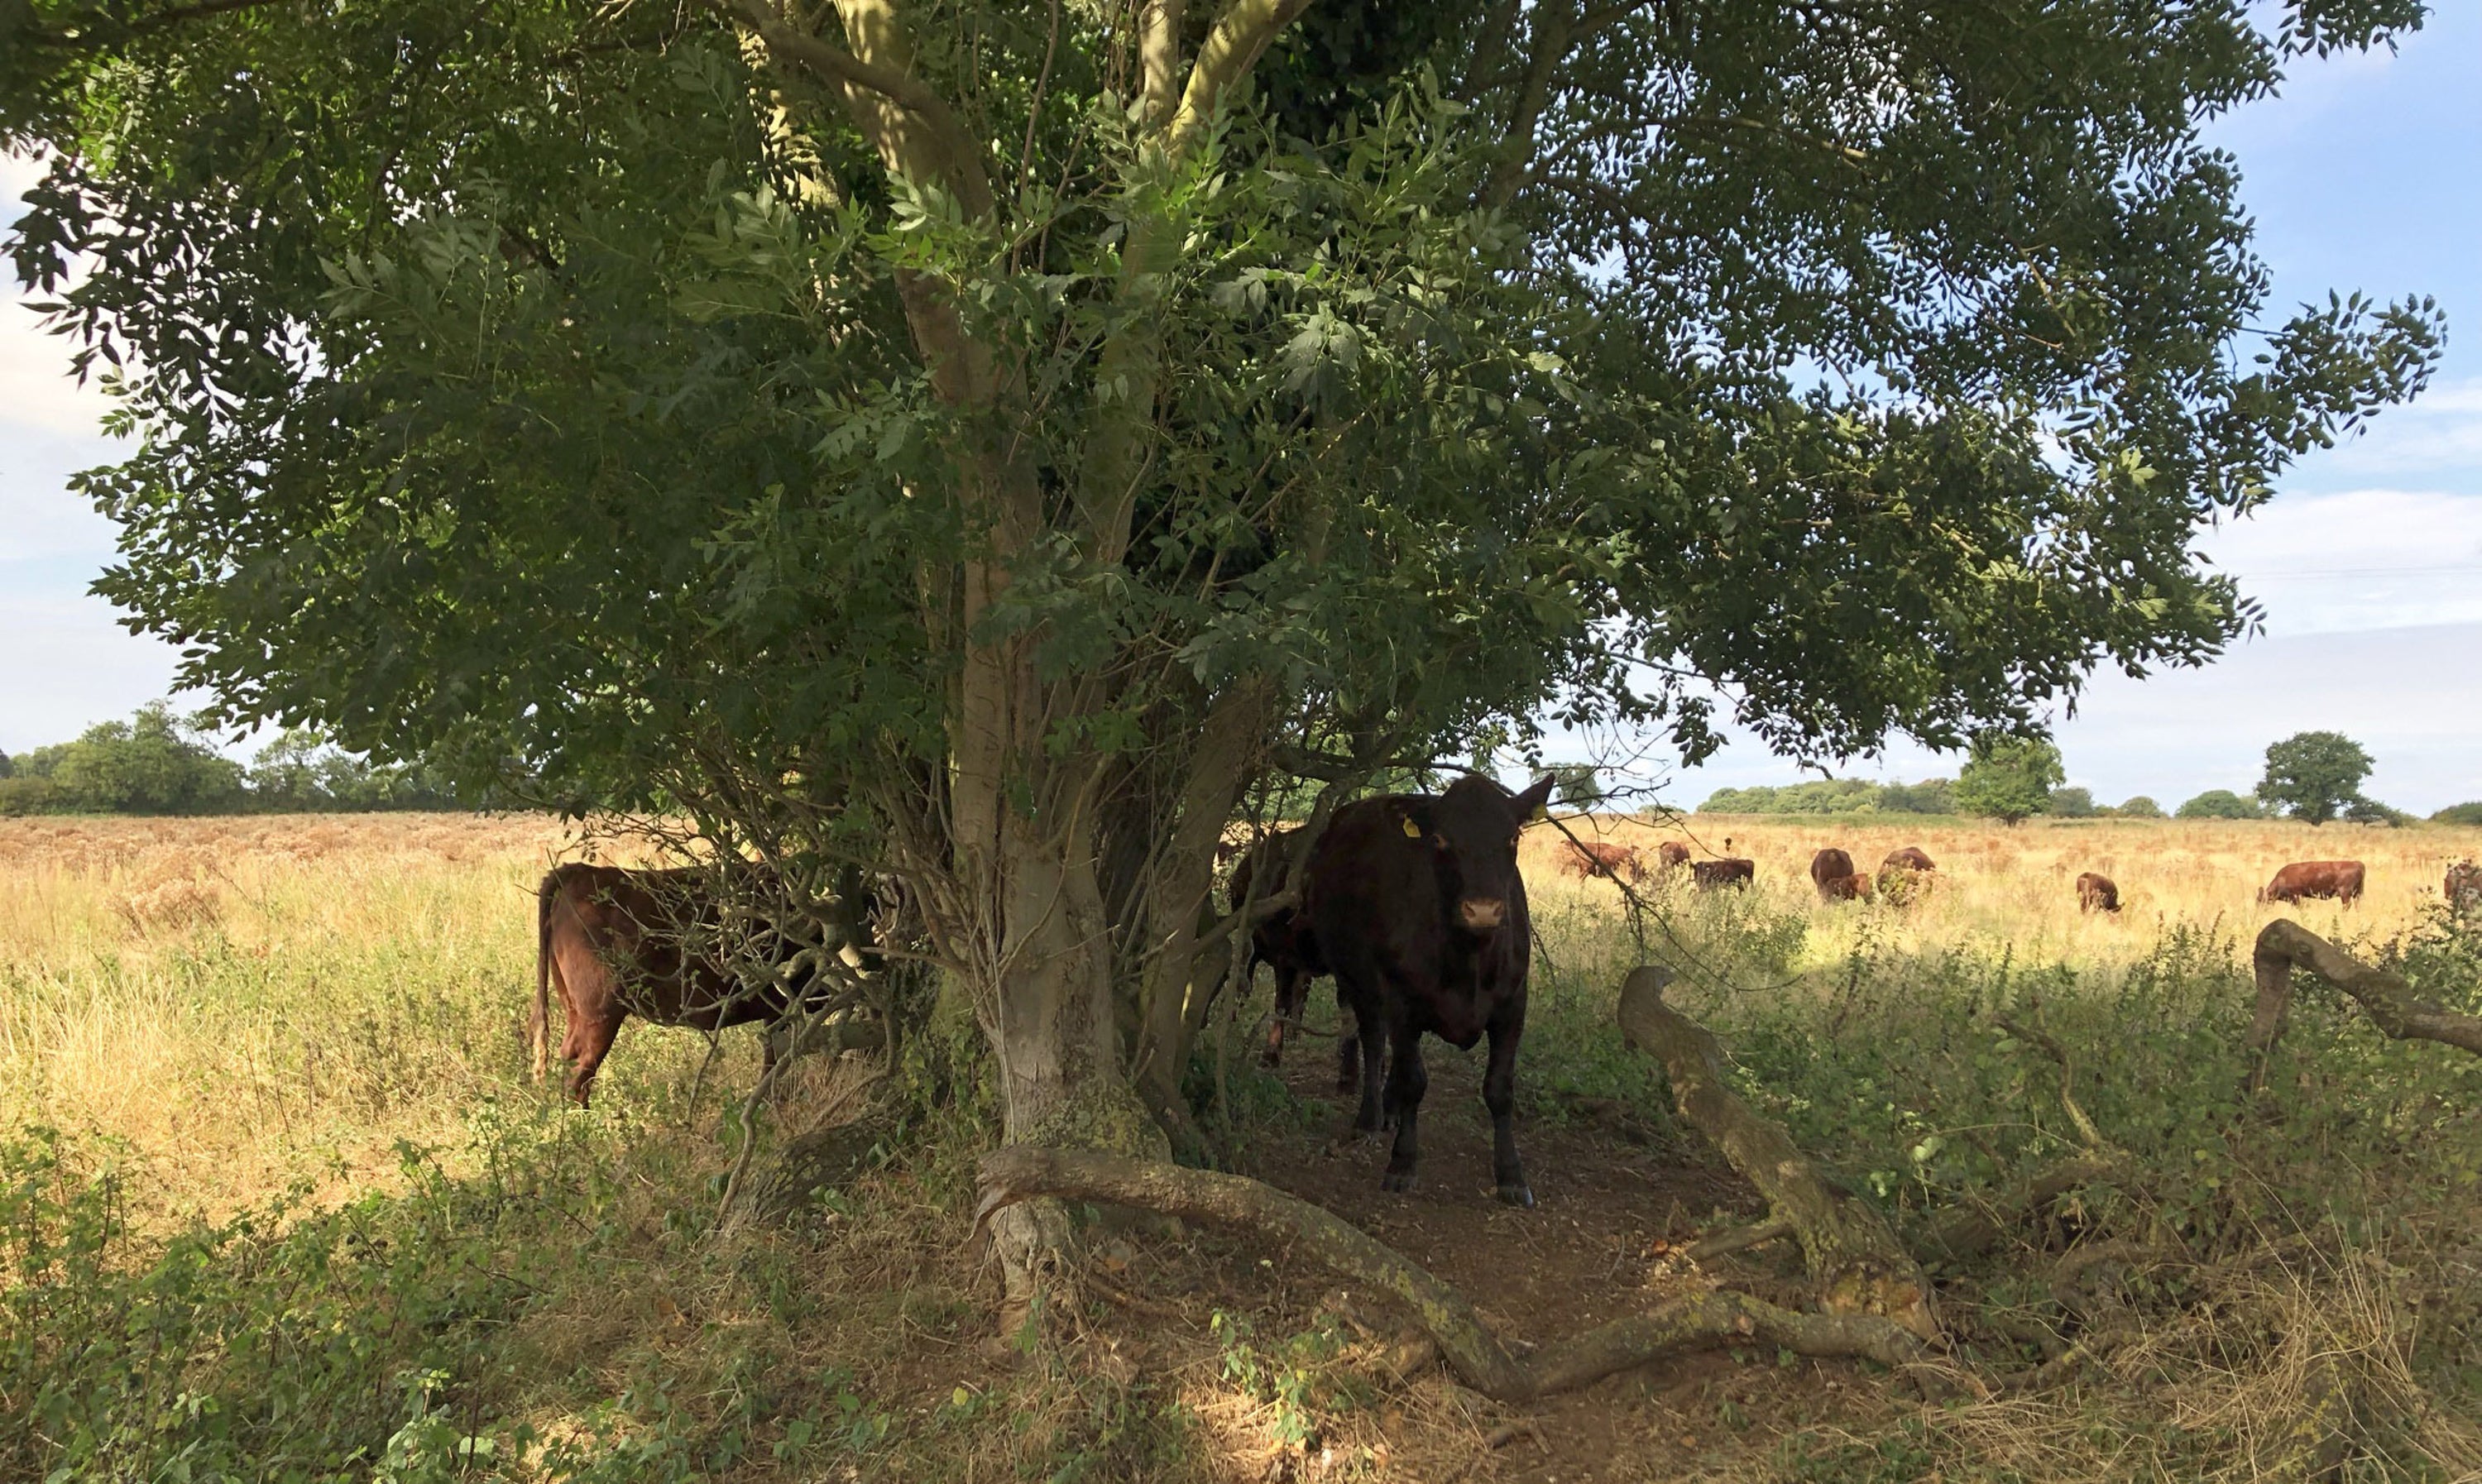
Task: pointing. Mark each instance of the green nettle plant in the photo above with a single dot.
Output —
(1000, 443)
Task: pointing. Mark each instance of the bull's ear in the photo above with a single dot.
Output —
(1529, 803)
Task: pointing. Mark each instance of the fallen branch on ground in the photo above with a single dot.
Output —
(2285, 945)
(1854, 1259)
(1472, 1352)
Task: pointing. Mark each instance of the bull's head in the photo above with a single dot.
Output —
(1472, 831)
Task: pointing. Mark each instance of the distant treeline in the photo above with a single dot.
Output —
(159, 763)
(1938, 796)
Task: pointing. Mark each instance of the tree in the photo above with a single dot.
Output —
(2141, 806)
(2008, 777)
(2221, 803)
(1003, 443)
(1930, 796)
(1580, 783)
(2469, 813)
(2314, 775)
(2072, 803)
(154, 763)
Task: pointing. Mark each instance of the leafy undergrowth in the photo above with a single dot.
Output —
(2285, 1285)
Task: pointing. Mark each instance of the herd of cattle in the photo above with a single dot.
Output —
(1414, 903)
(1904, 871)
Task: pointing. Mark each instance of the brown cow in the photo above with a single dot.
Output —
(650, 943)
(1419, 911)
(2339, 879)
(1671, 855)
(2464, 886)
(2097, 893)
(1909, 859)
(1854, 887)
(1828, 870)
(1727, 872)
(1584, 859)
(1281, 940)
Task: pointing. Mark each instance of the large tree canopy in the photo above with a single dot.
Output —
(1018, 431)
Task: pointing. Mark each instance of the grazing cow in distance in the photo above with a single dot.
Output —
(619, 942)
(1909, 859)
(1711, 875)
(1281, 940)
(1583, 859)
(2339, 879)
(2464, 886)
(1420, 911)
(1854, 887)
(1905, 873)
(1828, 870)
(2097, 893)
(1671, 855)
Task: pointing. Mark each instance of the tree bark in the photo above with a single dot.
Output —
(2285, 945)
(1477, 1356)
(1852, 1255)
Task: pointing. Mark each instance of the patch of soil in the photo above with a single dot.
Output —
(1607, 1206)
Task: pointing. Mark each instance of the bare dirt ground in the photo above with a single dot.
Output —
(1612, 1196)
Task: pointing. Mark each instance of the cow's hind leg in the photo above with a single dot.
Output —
(1289, 984)
(1499, 1095)
(589, 1041)
(1407, 1081)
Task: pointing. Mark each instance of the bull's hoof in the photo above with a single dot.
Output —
(1398, 1180)
(1270, 1058)
(1518, 1194)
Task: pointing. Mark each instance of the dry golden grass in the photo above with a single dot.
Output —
(248, 1002)
(1999, 885)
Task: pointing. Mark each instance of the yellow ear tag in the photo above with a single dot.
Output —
(1413, 830)
(1540, 814)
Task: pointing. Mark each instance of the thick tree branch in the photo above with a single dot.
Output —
(1476, 1355)
(2285, 945)
(1233, 48)
(916, 132)
(1854, 1259)
(1554, 21)
(1159, 57)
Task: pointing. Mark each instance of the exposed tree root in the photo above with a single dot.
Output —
(1854, 1259)
(2285, 945)
(1472, 1352)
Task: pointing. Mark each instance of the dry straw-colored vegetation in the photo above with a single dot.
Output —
(299, 1180)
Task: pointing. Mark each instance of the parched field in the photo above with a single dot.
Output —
(278, 1199)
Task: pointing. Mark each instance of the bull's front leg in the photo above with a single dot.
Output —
(1407, 1081)
(1499, 1095)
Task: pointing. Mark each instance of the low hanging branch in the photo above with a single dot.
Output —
(1853, 1257)
(2285, 945)
(1025, 1172)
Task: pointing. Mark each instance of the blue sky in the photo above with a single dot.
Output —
(2366, 174)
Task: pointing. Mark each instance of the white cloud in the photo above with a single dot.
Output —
(2362, 559)
(2437, 437)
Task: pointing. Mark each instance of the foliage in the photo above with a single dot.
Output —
(2370, 811)
(154, 763)
(1818, 796)
(159, 763)
(2221, 803)
(301, 771)
(2008, 777)
(2469, 813)
(2314, 775)
(1930, 796)
(1580, 783)
(2072, 803)
(2141, 806)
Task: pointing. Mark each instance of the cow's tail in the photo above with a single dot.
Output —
(539, 1029)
